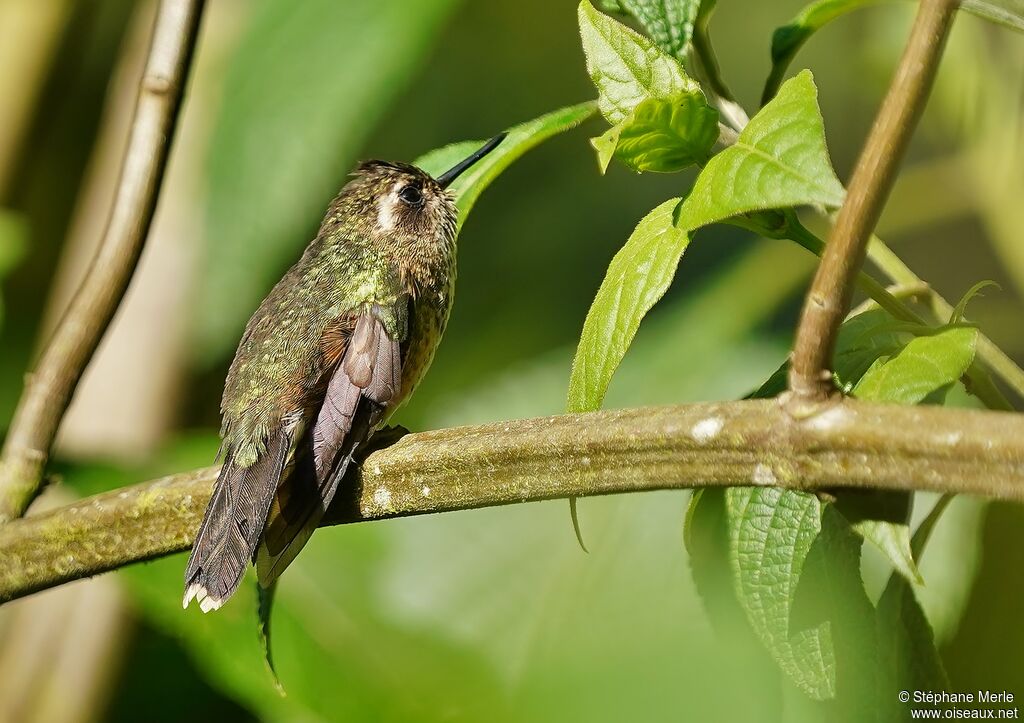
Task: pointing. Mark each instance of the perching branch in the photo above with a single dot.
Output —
(829, 297)
(49, 388)
(844, 444)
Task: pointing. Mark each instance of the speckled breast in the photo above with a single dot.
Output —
(427, 320)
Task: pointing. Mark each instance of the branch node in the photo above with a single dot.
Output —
(832, 289)
(157, 84)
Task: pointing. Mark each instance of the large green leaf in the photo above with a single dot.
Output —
(626, 67)
(669, 23)
(883, 519)
(521, 138)
(925, 365)
(774, 532)
(779, 161)
(771, 532)
(831, 598)
(906, 646)
(306, 85)
(662, 135)
(637, 277)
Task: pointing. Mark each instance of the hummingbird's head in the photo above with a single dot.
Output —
(401, 200)
(404, 201)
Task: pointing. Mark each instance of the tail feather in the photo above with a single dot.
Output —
(300, 505)
(232, 525)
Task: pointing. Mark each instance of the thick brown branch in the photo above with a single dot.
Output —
(845, 444)
(829, 297)
(48, 389)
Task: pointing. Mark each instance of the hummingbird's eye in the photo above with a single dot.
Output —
(411, 195)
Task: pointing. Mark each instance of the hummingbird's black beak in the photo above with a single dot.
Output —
(455, 171)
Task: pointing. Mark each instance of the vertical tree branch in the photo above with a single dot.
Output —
(48, 389)
(829, 298)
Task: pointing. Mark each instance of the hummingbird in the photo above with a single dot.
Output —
(341, 341)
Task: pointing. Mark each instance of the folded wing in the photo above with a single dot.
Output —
(364, 382)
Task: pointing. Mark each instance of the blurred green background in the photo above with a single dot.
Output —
(492, 614)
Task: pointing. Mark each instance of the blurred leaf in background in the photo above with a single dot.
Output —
(13, 241)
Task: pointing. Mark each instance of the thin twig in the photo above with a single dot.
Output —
(49, 388)
(829, 298)
(846, 444)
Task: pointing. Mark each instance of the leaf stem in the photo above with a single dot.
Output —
(50, 386)
(707, 61)
(897, 291)
(829, 298)
(844, 444)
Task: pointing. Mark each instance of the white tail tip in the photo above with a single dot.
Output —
(199, 593)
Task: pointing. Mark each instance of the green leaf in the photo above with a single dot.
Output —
(265, 607)
(706, 537)
(925, 365)
(906, 646)
(893, 539)
(626, 67)
(1005, 12)
(831, 593)
(637, 277)
(788, 39)
(906, 639)
(961, 306)
(662, 135)
(521, 138)
(771, 532)
(784, 163)
(882, 518)
(669, 23)
(813, 562)
(779, 161)
(305, 87)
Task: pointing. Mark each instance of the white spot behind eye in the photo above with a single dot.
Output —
(386, 212)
